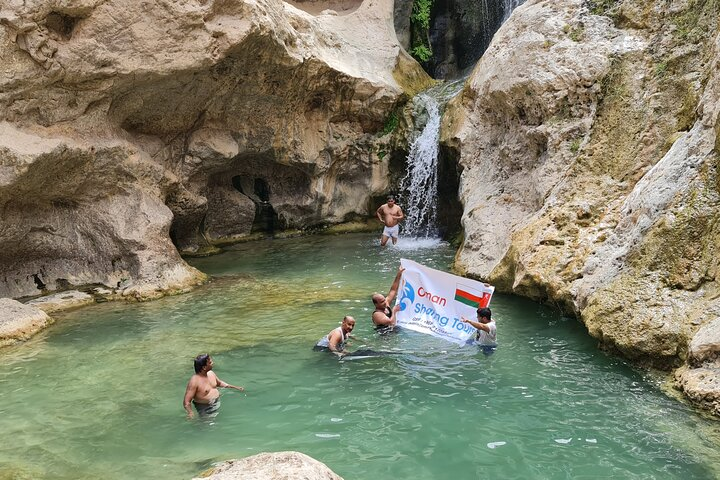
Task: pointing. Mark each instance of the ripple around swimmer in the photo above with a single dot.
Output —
(98, 394)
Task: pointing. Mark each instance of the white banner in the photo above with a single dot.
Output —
(432, 302)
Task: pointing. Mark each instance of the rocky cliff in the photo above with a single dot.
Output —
(125, 124)
(588, 134)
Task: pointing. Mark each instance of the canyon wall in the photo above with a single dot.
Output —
(588, 138)
(130, 128)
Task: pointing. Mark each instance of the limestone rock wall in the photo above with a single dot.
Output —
(125, 124)
(588, 134)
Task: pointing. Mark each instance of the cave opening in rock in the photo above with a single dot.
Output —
(61, 24)
(266, 218)
(262, 189)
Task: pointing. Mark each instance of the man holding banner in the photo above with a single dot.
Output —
(384, 317)
(434, 302)
(486, 336)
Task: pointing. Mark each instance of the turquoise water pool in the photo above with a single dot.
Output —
(99, 394)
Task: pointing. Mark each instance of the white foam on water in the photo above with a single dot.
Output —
(591, 440)
(327, 435)
(496, 444)
(563, 440)
(412, 243)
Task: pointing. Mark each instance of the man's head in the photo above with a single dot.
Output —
(379, 300)
(203, 362)
(390, 200)
(484, 315)
(348, 324)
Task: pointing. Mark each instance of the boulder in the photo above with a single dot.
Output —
(271, 466)
(19, 321)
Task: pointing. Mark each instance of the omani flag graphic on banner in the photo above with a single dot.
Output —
(432, 302)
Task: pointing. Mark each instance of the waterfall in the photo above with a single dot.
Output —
(509, 6)
(419, 187)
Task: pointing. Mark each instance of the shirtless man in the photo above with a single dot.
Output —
(384, 317)
(390, 215)
(202, 389)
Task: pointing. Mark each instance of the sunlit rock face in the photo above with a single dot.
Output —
(589, 145)
(125, 124)
(272, 466)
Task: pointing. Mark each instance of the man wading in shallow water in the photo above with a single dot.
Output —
(390, 215)
(202, 389)
(335, 340)
(384, 317)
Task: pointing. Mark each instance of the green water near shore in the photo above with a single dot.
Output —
(98, 395)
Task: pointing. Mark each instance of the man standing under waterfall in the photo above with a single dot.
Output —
(390, 215)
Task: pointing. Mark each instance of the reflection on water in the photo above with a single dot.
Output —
(99, 394)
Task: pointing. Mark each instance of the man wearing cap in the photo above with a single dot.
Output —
(390, 215)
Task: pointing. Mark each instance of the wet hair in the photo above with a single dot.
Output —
(484, 312)
(201, 361)
(390, 198)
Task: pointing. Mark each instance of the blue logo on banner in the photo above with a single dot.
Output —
(408, 296)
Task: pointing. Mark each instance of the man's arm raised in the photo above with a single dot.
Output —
(394, 287)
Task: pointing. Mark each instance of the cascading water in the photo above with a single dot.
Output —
(461, 32)
(509, 6)
(419, 186)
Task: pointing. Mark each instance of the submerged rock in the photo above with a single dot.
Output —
(272, 466)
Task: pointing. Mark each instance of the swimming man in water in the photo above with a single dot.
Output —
(390, 215)
(335, 340)
(384, 317)
(202, 389)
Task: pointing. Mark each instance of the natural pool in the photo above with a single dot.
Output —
(98, 395)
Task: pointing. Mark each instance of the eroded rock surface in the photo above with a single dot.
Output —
(19, 321)
(125, 124)
(272, 466)
(589, 140)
